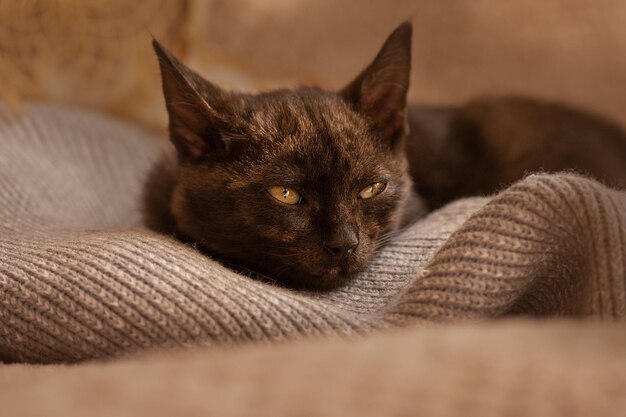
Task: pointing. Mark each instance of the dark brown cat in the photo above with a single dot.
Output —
(303, 185)
(298, 185)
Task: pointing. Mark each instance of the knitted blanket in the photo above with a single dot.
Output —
(80, 278)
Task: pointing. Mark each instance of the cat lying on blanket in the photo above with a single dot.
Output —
(302, 186)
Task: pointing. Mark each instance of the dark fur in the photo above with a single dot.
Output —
(490, 143)
(329, 145)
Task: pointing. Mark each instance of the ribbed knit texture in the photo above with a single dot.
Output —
(81, 279)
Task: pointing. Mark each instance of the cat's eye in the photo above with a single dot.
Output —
(372, 190)
(285, 195)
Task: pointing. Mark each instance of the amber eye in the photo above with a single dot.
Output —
(372, 190)
(285, 194)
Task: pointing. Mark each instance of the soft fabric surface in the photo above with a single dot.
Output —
(520, 369)
(81, 279)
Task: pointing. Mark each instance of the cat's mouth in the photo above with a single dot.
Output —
(336, 271)
(321, 278)
(329, 272)
(333, 278)
(344, 269)
(335, 275)
(339, 273)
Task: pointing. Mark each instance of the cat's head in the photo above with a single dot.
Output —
(299, 185)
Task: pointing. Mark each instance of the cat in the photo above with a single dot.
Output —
(302, 186)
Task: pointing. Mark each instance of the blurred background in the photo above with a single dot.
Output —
(98, 53)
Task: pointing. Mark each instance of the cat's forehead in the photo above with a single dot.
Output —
(302, 115)
(310, 135)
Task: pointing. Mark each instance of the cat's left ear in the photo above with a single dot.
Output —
(380, 92)
(194, 106)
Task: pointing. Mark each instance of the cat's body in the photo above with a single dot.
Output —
(489, 143)
(303, 185)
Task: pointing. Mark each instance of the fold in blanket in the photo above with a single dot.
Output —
(502, 368)
(81, 279)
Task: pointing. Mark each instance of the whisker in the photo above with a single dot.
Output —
(385, 238)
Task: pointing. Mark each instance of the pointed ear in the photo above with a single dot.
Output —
(379, 92)
(192, 101)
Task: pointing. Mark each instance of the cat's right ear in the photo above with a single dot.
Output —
(192, 103)
(380, 92)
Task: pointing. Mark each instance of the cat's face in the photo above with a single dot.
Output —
(299, 185)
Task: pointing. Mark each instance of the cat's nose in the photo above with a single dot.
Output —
(343, 240)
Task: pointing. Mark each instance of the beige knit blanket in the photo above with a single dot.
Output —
(81, 279)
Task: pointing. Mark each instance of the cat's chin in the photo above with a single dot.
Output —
(333, 278)
(323, 279)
